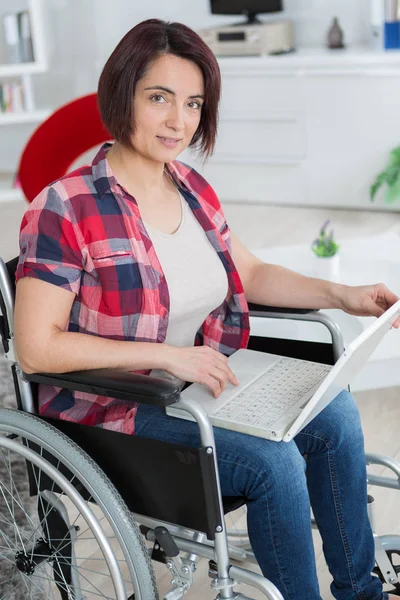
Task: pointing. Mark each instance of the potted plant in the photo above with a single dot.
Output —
(326, 257)
(391, 177)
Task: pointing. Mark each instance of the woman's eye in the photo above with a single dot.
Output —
(158, 98)
(194, 104)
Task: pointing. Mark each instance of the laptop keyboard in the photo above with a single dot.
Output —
(262, 402)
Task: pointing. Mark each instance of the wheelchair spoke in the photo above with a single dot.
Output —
(28, 587)
(10, 524)
(18, 499)
(45, 579)
(4, 582)
(90, 591)
(9, 552)
(50, 582)
(121, 560)
(16, 528)
(12, 544)
(51, 506)
(79, 536)
(13, 580)
(62, 575)
(82, 568)
(78, 570)
(39, 495)
(8, 541)
(6, 522)
(41, 576)
(8, 559)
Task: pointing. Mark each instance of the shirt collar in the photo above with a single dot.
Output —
(104, 179)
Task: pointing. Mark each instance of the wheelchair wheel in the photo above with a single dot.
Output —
(75, 539)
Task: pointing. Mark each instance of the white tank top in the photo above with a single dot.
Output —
(196, 279)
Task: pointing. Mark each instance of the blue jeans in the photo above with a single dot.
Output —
(279, 486)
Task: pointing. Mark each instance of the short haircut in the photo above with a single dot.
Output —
(128, 63)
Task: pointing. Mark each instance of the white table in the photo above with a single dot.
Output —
(362, 261)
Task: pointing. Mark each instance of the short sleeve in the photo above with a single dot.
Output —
(50, 248)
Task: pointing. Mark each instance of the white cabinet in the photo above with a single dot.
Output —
(312, 128)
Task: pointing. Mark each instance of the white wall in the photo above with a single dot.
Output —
(82, 34)
(312, 18)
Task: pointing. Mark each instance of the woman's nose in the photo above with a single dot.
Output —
(176, 119)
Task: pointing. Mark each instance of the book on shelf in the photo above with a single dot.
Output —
(18, 37)
(12, 98)
(25, 36)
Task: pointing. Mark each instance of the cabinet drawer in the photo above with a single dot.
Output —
(261, 136)
(264, 184)
(261, 93)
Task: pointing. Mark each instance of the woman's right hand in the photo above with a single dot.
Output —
(200, 364)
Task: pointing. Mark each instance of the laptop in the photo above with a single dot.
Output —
(278, 396)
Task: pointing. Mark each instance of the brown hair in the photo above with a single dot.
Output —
(128, 63)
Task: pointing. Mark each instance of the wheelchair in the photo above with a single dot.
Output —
(85, 512)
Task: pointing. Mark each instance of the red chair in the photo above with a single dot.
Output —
(70, 131)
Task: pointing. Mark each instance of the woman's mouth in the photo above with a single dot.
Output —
(169, 142)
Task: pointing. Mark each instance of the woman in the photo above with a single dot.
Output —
(129, 264)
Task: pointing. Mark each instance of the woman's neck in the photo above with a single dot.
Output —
(135, 172)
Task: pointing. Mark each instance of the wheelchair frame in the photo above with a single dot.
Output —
(193, 542)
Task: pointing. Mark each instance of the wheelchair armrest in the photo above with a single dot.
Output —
(303, 314)
(113, 384)
(255, 308)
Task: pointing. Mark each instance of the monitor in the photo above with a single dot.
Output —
(250, 8)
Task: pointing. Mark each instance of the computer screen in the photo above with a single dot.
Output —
(245, 7)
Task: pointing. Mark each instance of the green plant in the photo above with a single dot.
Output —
(325, 245)
(391, 177)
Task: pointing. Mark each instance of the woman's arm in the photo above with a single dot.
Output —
(42, 312)
(276, 286)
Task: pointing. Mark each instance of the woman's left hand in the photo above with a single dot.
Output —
(368, 300)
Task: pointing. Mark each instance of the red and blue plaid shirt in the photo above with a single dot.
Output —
(85, 234)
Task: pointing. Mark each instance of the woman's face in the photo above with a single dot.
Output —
(167, 108)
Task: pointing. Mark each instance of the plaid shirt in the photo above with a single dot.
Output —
(84, 233)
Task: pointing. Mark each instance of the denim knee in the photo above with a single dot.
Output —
(256, 465)
(339, 424)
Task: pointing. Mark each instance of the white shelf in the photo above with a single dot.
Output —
(10, 194)
(316, 60)
(35, 116)
(19, 69)
(39, 65)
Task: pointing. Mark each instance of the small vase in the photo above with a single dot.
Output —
(335, 35)
(327, 267)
